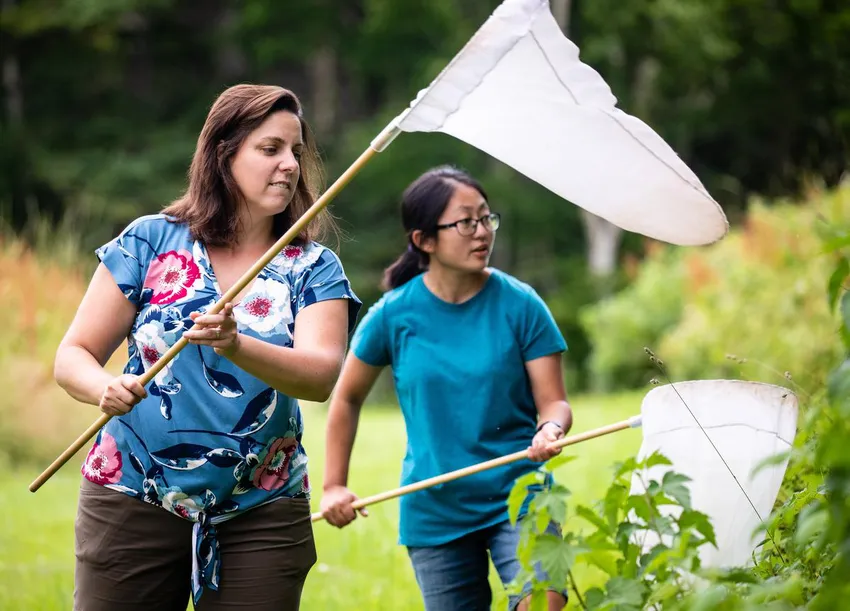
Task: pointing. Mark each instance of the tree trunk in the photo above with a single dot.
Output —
(322, 70)
(603, 238)
(12, 90)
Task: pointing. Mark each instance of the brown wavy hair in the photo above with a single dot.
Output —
(210, 204)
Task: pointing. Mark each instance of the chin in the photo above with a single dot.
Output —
(274, 208)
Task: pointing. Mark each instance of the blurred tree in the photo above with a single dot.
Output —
(101, 102)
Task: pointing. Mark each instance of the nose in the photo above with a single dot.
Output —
(288, 163)
(481, 230)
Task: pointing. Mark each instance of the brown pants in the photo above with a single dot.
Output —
(134, 556)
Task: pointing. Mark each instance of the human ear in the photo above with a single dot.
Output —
(423, 242)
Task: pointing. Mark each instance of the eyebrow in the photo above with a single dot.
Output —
(278, 140)
(468, 208)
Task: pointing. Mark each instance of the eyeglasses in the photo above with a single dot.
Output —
(467, 227)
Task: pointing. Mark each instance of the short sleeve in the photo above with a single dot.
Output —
(540, 336)
(126, 257)
(371, 342)
(326, 280)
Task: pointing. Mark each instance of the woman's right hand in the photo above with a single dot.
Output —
(121, 395)
(336, 506)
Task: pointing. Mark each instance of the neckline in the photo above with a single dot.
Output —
(210, 271)
(463, 304)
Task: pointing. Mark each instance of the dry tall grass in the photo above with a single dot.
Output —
(39, 297)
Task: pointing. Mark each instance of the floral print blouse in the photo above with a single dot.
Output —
(210, 441)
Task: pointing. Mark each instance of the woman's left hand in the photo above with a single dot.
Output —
(216, 330)
(541, 448)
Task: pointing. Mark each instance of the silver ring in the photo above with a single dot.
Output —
(218, 333)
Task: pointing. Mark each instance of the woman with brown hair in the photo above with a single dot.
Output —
(215, 440)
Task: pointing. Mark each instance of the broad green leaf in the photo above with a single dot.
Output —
(699, 521)
(626, 592)
(519, 492)
(559, 461)
(657, 556)
(592, 517)
(625, 530)
(594, 598)
(735, 575)
(615, 500)
(625, 468)
(664, 591)
(554, 501)
(845, 310)
(811, 523)
(657, 458)
(772, 460)
(542, 519)
(836, 243)
(556, 556)
(838, 384)
(640, 504)
(709, 599)
(602, 558)
(674, 485)
(836, 280)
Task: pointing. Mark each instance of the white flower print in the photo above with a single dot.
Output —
(266, 309)
(152, 342)
(187, 506)
(296, 259)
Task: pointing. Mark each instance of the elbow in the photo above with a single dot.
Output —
(331, 377)
(59, 369)
(317, 394)
(323, 384)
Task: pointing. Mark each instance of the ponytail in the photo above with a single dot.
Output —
(422, 204)
(409, 265)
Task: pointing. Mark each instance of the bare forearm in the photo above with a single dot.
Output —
(558, 412)
(343, 418)
(296, 372)
(80, 375)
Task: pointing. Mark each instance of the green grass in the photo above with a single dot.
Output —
(359, 567)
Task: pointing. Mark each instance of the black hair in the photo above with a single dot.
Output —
(422, 204)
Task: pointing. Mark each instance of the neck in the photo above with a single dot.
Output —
(254, 232)
(454, 286)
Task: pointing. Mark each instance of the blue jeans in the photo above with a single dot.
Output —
(454, 576)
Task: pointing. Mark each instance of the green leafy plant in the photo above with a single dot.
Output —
(612, 536)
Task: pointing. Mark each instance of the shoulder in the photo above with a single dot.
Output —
(295, 259)
(400, 297)
(153, 224)
(392, 302)
(508, 285)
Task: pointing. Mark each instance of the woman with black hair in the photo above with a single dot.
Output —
(476, 361)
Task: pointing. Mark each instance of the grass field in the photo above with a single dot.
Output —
(359, 567)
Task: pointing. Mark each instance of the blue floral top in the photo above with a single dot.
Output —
(210, 441)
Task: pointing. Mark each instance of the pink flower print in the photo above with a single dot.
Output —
(266, 309)
(292, 252)
(259, 306)
(295, 259)
(172, 276)
(103, 463)
(273, 470)
(150, 354)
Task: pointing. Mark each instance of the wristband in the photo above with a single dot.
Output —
(542, 424)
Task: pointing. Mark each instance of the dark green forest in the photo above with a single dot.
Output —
(102, 101)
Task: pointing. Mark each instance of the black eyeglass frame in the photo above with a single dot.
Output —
(490, 222)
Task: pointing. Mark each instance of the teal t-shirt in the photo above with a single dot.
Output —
(459, 372)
